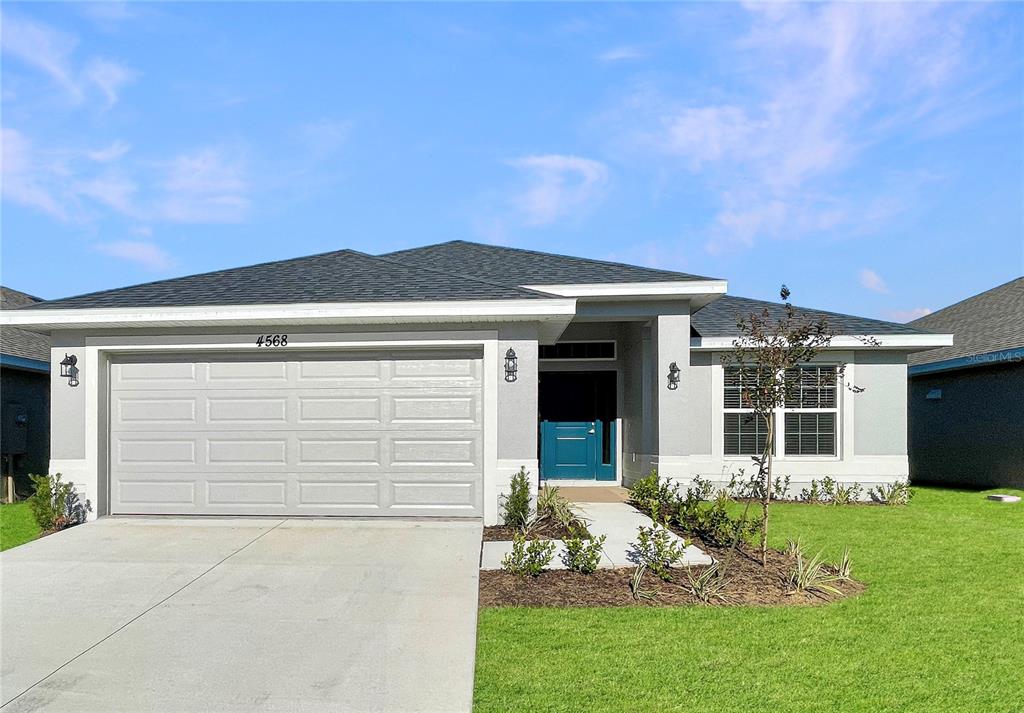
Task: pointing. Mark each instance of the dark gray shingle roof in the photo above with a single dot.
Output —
(989, 322)
(341, 276)
(514, 266)
(718, 319)
(20, 342)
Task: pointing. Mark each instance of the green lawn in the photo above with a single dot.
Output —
(941, 628)
(17, 525)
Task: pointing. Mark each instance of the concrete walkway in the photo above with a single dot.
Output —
(618, 521)
(162, 614)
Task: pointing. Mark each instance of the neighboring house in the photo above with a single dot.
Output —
(418, 382)
(24, 396)
(966, 405)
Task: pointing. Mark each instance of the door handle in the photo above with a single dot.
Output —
(591, 431)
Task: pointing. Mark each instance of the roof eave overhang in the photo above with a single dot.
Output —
(972, 361)
(698, 292)
(897, 342)
(557, 311)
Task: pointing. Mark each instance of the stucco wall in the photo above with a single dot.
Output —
(972, 435)
(881, 409)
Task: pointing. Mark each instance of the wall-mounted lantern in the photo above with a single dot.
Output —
(69, 369)
(673, 376)
(511, 365)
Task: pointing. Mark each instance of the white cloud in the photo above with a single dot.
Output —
(205, 186)
(621, 54)
(145, 254)
(29, 177)
(109, 77)
(51, 51)
(559, 185)
(111, 152)
(816, 85)
(907, 315)
(112, 190)
(871, 280)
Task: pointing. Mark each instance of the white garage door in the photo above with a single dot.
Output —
(396, 433)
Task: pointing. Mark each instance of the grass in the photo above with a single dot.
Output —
(939, 628)
(17, 526)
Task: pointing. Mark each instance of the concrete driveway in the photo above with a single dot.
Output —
(161, 614)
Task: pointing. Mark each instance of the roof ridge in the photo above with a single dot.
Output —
(558, 255)
(198, 274)
(462, 276)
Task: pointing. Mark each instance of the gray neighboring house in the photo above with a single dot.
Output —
(417, 382)
(966, 405)
(24, 396)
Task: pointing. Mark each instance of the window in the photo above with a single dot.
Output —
(809, 418)
(745, 432)
(578, 350)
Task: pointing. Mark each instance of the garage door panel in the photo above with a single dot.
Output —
(373, 434)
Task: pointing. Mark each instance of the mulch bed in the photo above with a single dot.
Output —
(544, 531)
(749, 585)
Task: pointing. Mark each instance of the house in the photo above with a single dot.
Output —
(24, 397)
(966, 412)
(417, 382)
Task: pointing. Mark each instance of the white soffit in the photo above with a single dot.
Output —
(908, 342)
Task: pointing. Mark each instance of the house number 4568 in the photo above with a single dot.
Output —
(272, 340)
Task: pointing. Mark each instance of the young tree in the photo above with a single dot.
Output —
(767, 348)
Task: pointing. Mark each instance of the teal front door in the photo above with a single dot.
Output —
(577, 450)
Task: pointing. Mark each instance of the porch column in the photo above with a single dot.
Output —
(516, 416)
(671, 343)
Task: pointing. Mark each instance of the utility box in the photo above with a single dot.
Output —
(13, 429)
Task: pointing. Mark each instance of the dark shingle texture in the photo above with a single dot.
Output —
(513, 266)
(342, 276)
(718, 319)
(989, 322)
(20, 342)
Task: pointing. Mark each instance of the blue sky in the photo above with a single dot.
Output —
(870, 156)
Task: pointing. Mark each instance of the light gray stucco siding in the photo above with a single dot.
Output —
(881, 408)
(67, 403)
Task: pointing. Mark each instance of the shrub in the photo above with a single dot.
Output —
(711, 521)
(898, 493)
(636, 584)
(652, 489)
(846, 494)
(780, 488)
(528, 558)
(845, 566)
(813, 494)
(517, 509)
(709, 584)
(810, 575)
(553, 507)
(658, 550)
(583, 556)
(54, 504)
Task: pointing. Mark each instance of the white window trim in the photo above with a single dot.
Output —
(779, 415)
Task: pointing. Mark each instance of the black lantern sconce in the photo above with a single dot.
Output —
(673, 376)
(511, 365)
(69, 369)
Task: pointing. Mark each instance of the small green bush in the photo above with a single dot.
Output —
(528, 558)
(898, 493)
(709, 584)
(53, 502)
(810, 575)
(583, 556)
(553, 507)
(658, 550)
(517, 510)
(653, 489)
(713, 523)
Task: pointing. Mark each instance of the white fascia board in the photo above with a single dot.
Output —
(680, 288)
(310, 313)
(906, 342)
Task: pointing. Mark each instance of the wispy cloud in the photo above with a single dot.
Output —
(558, 186)
(906, 315)
(30, 177)
(871, 280)
(146, 254)
(51, 52)
(205, 186)
(110, 152)
(621, 54)
(817, 86)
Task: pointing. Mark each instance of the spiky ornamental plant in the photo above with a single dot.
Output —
(766, 349)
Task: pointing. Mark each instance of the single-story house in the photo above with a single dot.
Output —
(966, 406)
(417, 382)
(24, 397)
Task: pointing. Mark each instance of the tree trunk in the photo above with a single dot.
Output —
(766, 494)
